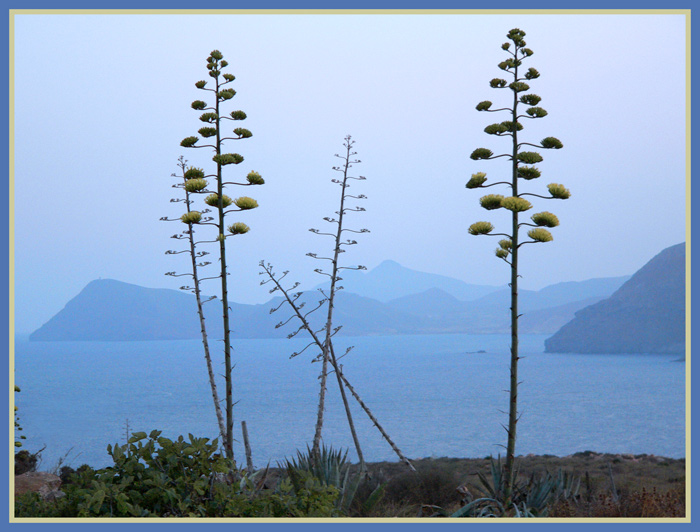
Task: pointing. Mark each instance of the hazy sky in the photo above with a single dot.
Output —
(103, 101)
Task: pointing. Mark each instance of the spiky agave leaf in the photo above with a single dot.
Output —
(245, 203)
(477, 179)
(516, 204)
(491, 201)
(545, 219)
(213, 200)
(540, 235)
(558, 191)
(480, 228)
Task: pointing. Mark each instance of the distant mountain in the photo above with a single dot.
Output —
(556, 294)
(645, 315)
(109, 310)
(488, 315)
(390, 280)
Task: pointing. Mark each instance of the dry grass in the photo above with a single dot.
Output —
(611, 485)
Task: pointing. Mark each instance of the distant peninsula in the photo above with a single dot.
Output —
(645, 315)
(409, 302)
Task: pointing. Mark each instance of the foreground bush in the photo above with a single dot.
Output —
(153, 476)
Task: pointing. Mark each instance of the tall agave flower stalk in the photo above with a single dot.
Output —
(348, 160)
(521, 169)
(318, 341)
(222, 203)
(192, 218)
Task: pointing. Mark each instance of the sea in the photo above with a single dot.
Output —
(435, 395)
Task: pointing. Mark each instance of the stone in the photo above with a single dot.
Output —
(45, 484)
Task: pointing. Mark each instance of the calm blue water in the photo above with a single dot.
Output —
(431, 397)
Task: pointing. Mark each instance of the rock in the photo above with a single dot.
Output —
(645, 315)
(45, 484)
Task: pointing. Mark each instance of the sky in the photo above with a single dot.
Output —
(101, 103)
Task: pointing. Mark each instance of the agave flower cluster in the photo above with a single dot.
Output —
(522, 161)
(196, 181)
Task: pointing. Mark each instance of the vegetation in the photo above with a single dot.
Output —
(521, 169)
(18, 427)
(156, 477)
(323, 337)
(196, 182)
(192, 218)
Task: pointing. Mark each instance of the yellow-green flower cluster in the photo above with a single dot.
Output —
(558, 191)
(528, 172)
(480, 228)
(194, 173)
(192, 217)
(540, 235)
(545, 219)
(491, 201)
(213, 200)
(208, 117)
(245, 203)
(207, 131)
(530, 157)
(242, 133)
(481, 153)
(516, 204)
(238, 228)
(254, 178)
(228, 158)
(195, 185)
(476, 180)
(551, 143)
(188, 142)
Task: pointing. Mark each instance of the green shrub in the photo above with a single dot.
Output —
(153, 476)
